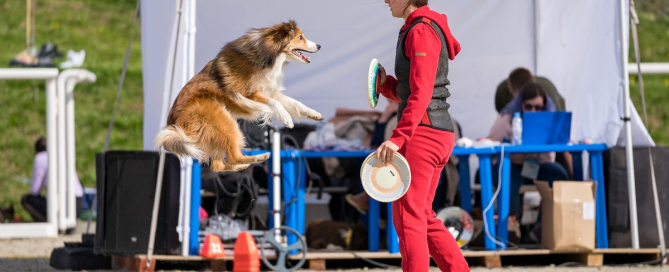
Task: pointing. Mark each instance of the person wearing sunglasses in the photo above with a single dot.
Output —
(533, 99)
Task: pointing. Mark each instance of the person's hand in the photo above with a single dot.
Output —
(386, 152)
(382, 75)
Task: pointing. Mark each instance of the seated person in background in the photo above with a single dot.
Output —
(34, 202)
(533, 99)
(506, 100)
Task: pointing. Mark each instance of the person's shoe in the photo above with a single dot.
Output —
(355, 203)
(25, 58)
(74, 59)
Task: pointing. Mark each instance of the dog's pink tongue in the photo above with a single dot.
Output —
(303, 56)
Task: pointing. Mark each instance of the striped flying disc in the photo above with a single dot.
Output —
(373, 83)
(385, 183)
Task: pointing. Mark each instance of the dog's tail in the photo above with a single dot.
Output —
(173, 139)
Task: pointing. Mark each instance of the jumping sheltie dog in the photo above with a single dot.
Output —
(245, 80)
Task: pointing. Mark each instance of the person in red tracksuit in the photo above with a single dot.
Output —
(424, 133)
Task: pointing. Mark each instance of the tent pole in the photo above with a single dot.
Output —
(161, 161)
(536, 37)
(192, 29)
(631, 183)
(634, 21)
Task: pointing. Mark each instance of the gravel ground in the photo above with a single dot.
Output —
(43, 265)
(33, 255)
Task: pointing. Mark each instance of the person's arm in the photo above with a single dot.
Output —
(501, 128)
(39, 174)
(388, 86)
(423, 46)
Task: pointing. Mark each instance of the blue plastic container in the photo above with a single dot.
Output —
(546, 127)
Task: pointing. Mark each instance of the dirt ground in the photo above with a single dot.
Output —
(43, 265)
(33, 255)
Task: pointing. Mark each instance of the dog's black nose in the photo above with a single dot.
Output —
(318, 46)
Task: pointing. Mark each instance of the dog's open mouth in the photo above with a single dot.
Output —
(297, 53)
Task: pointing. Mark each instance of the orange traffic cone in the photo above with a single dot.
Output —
(246, 257)
(212, 248)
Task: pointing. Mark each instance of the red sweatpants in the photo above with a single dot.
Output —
(421, 234)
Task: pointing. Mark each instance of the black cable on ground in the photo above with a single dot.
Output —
(370, 261)
(382, 265)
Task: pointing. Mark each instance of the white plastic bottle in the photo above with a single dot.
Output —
(517, 128)
(320, 135)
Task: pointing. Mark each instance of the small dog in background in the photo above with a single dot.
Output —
(245, 80)
(328, 234)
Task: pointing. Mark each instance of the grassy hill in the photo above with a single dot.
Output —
(102, 28)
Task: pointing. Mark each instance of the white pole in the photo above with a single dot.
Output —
(156, 206)
(191, 39)
(70, 148)
(537, 20)
(188, 72)
(186, 221)
(161, 162)
(631, 184)
(60, 150)
(77, 76)
(51, 144)
(649, 68)
(30, 73)
(634, 21)
(276, 180)
(66, 198)
(50, 228)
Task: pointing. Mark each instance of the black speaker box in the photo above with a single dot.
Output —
(126, 185)
(617, 197)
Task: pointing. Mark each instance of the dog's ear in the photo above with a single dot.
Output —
(273, 40)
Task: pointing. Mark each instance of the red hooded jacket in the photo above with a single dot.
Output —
(422, 46)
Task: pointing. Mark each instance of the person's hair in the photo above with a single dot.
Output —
(417, 3)
(40, 145)
(532, 90)
(519, 77)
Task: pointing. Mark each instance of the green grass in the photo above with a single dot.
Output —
(654, 47)
(102, 28)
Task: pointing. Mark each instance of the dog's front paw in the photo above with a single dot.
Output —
(288, 123)
(284, 117)
(314, 115)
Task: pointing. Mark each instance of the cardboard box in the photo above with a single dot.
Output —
(568, 215)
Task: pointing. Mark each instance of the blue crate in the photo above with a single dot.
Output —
(546, 127)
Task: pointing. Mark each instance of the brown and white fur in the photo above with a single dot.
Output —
(245, 80)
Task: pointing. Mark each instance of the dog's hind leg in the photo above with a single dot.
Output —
(219, 165)
(296, 108)
(220, 137)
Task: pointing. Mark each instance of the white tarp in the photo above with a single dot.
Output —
(574, 43)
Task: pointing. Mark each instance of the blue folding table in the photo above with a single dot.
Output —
(292, 167)
(597, 170)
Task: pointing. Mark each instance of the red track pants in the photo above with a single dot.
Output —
(421, 234)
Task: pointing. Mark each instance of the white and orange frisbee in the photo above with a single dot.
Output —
(385, 183)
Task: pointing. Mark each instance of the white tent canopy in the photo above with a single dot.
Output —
(575, 44)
